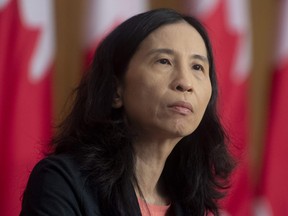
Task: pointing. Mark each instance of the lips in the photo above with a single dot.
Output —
(181, 107)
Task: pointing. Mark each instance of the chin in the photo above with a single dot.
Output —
(183, 130)
(182, 133)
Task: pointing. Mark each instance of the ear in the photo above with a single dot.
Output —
(117, 98)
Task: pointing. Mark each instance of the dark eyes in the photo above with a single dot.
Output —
(198, 67)
(164, 61)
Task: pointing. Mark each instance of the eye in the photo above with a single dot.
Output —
(164, 61)
(198, 67)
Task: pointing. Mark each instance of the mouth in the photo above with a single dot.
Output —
(181, 107)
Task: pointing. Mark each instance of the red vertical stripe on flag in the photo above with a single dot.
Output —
(25, 99)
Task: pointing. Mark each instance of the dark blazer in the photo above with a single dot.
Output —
(57, 187)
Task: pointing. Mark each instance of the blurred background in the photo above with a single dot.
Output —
(46, 45)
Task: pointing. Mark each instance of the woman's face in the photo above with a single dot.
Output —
(166, 88)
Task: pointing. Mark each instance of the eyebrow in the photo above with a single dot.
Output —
(162, 50)
(200, 57)
(172, 52)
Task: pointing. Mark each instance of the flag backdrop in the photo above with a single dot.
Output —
(26, 53)
(227, 23)
(273, 200)
(103, 15)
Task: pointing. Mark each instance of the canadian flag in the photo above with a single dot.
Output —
(227, 22)
(103, 15)
(26, 55)
(273, 197)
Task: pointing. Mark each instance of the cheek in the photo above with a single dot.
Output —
(136, 99)
(206, 91)
(204, 99)
(142, 101)
(208, 95)
(145, 87)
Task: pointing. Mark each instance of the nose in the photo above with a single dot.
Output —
(182, 82)
(183, 86)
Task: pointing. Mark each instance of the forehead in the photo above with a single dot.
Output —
(180, 37)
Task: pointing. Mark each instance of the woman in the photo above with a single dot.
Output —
(143, 135)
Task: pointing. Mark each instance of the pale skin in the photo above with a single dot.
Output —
(165, 92)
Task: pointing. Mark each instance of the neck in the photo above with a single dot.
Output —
(150, 161)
